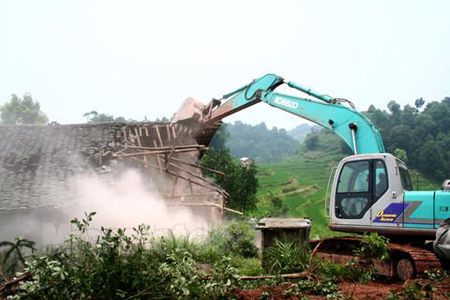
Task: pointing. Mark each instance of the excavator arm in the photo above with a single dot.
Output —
(353, 127)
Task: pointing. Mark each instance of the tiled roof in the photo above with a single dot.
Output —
(35, 161)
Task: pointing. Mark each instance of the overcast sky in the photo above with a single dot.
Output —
(143, 58)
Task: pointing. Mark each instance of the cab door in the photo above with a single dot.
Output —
(386, 209)
(354, 197)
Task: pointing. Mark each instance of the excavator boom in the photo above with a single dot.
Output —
(353, 127)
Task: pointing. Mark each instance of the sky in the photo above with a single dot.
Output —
(141, 59)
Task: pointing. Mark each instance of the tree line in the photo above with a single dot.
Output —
(418, 135)
(421, 133)
(260, 143)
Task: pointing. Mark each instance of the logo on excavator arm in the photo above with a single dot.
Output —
(286, 102)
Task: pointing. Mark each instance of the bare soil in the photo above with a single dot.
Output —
(378, 289)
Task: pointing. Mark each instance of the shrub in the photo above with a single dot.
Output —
(285, 257)
(12, 259)
(234, 239)
(373, 246)
(119, 265)
(247, 266)
(326, 288)
(350, 271)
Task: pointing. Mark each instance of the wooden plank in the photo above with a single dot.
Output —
(174, 186)
(157, 152)
(168, 132)
(124, 132)
(191, 189)
(167, 147)
(192, 174)
(304, 274)
(198, 166)
(184, 195)
(159, 162)
(159, 136)
(100, 158)
(137, 136)
(173, 132)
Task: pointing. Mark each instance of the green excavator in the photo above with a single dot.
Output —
(371, 190)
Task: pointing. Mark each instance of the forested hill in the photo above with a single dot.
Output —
(260, 143)
(418, 134)
(301, 131)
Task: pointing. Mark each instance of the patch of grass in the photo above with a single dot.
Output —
(303, 172)
(285, 257)
(247, 266)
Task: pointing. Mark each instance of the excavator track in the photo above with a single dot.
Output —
(422, 260)
(406, 261)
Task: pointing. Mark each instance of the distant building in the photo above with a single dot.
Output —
(246, 161)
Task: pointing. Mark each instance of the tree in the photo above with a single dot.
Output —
(344, 148)
(401, 154)
(430, 159)
(239, 181)
(419, 103)
(394, 107)
(312, 141)
(446, 100)
(258, 142)
(95, 117)
(220, 138)
(400, 138)
(279, 207)
(22, 111)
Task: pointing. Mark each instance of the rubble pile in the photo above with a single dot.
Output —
(37, 163)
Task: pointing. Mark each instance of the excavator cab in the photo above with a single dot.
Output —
(364, 184)
(374, 193)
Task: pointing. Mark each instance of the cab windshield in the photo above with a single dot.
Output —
(406, 179)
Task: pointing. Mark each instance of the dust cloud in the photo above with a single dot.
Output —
(129, 201)
(126, 199)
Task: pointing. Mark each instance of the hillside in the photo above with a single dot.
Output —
(260, 143)
(300, 132)
(301, 182)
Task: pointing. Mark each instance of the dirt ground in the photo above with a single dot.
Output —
(378, 289)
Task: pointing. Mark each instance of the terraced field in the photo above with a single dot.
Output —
(302, 182)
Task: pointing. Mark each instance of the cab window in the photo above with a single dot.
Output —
(406, 179)
(381, 179)
(354, 177)
(353, 197)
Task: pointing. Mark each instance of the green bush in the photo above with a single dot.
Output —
(325, 288)
(234, 239)
(373, 246)
(285, 257)
(247, 266)
(350, 271)
(13, 257)
(124, 266)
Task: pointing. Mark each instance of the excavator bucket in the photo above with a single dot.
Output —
(190, 110)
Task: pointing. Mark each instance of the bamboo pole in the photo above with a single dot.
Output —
(157, 152)
(166, 147)
(198, 166)
(305, 274)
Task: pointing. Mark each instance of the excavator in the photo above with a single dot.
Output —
(371, 190)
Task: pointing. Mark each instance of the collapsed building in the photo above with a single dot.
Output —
(38, 163)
